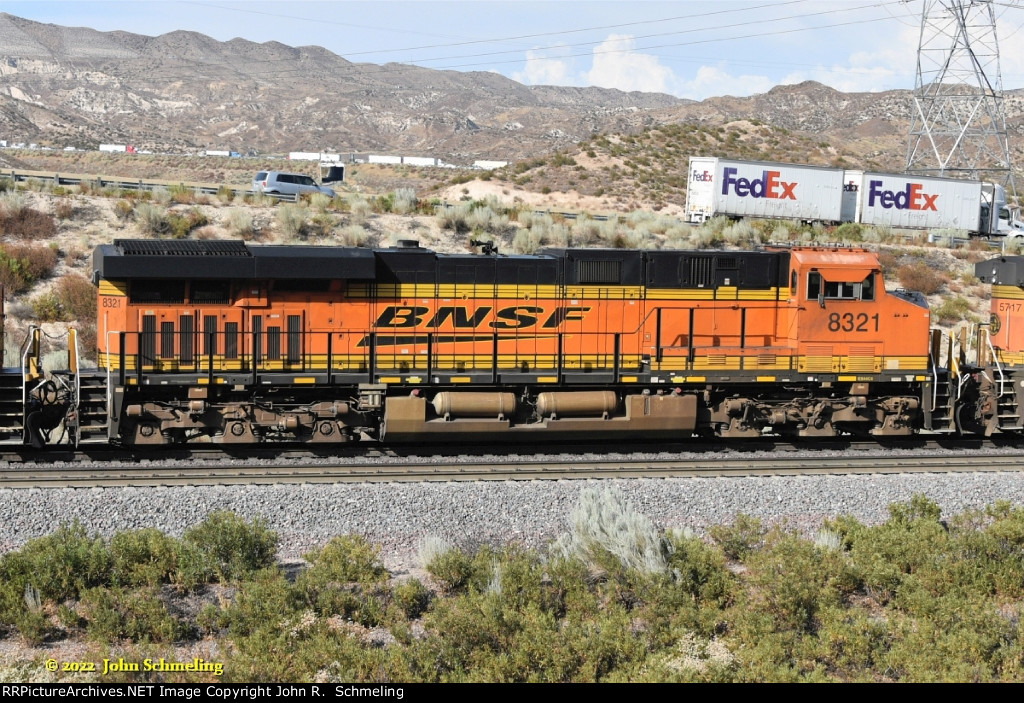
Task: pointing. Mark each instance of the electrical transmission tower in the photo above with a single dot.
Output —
(957, 128)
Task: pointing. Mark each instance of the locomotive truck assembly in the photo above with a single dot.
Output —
(226, 342)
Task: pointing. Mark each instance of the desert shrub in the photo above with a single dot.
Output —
(739, 539)
(586, 231)
(455, 218)
(353, 235)
(64, 209)
(322, 225)
(112, 614)
(347, 558)
(450, 566)
(952, 310)
(226, 195)
(240, 224)
(21, 265)
(87, 335)
(262, 602)
(13, 202)
(292, 220)
(144, 557)
(558, 236)
(60, 566)
(180, 225)
(699, 569)
(812, 580)
(608, 534)
(411, 597)
(181, 194)
(232, 546)
(152, 219)
(849, 232)
(123, 209)
(404, 201)
(23, 222)
(920, 277)
(526, 241)
(360, 210)
(71, 298)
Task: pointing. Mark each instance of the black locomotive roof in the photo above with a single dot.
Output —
(186, 259)
(1003, 271)
(177, 259)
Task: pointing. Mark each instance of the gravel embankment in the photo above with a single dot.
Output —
(399, 515)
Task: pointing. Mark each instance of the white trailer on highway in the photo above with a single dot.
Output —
(831, 195)
(763, 190)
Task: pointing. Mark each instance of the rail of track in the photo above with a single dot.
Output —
(297, 466)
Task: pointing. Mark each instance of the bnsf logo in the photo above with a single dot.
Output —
(701, 176)
(510, 318)
(911, 198)
(767, 186)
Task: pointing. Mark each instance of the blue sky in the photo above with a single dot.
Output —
(685, 48)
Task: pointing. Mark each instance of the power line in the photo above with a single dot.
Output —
(663, 34)
(494, 40)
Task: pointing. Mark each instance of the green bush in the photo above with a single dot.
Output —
(144, 557)
(232, 547)
(113, 614)
(60, 566)
(262, 603)
(346, 559)
(452, 569)
(72, 298)
(180, 225)
(739, 539)
(952, 310)
(411, 597)
(21, 265)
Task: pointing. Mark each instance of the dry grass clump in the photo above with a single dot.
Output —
(291, 219)
(920, 277)
(353, 235)
(64, 209)
(526, 241)
(404, 201)
(239, 223)
(19, 220)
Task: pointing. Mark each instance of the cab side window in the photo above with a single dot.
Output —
(839, 290)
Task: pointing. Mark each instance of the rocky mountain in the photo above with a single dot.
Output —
(184, 91)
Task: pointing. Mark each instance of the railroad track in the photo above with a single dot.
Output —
(390, 469)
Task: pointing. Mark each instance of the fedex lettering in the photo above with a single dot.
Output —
(767, 186)
(911, 198)
(699, 176)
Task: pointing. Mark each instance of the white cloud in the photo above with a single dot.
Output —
(543, 68)
(711, 81)
(618, 65)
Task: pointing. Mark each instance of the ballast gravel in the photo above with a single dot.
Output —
(398, 516)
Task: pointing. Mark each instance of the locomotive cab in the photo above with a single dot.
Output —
(847, 323)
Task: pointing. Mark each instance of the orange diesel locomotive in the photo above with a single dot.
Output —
(227, 342)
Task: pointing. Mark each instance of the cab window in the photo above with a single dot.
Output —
(818, 288)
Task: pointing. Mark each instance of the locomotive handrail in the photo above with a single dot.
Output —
(24, 376)
(999, 366)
